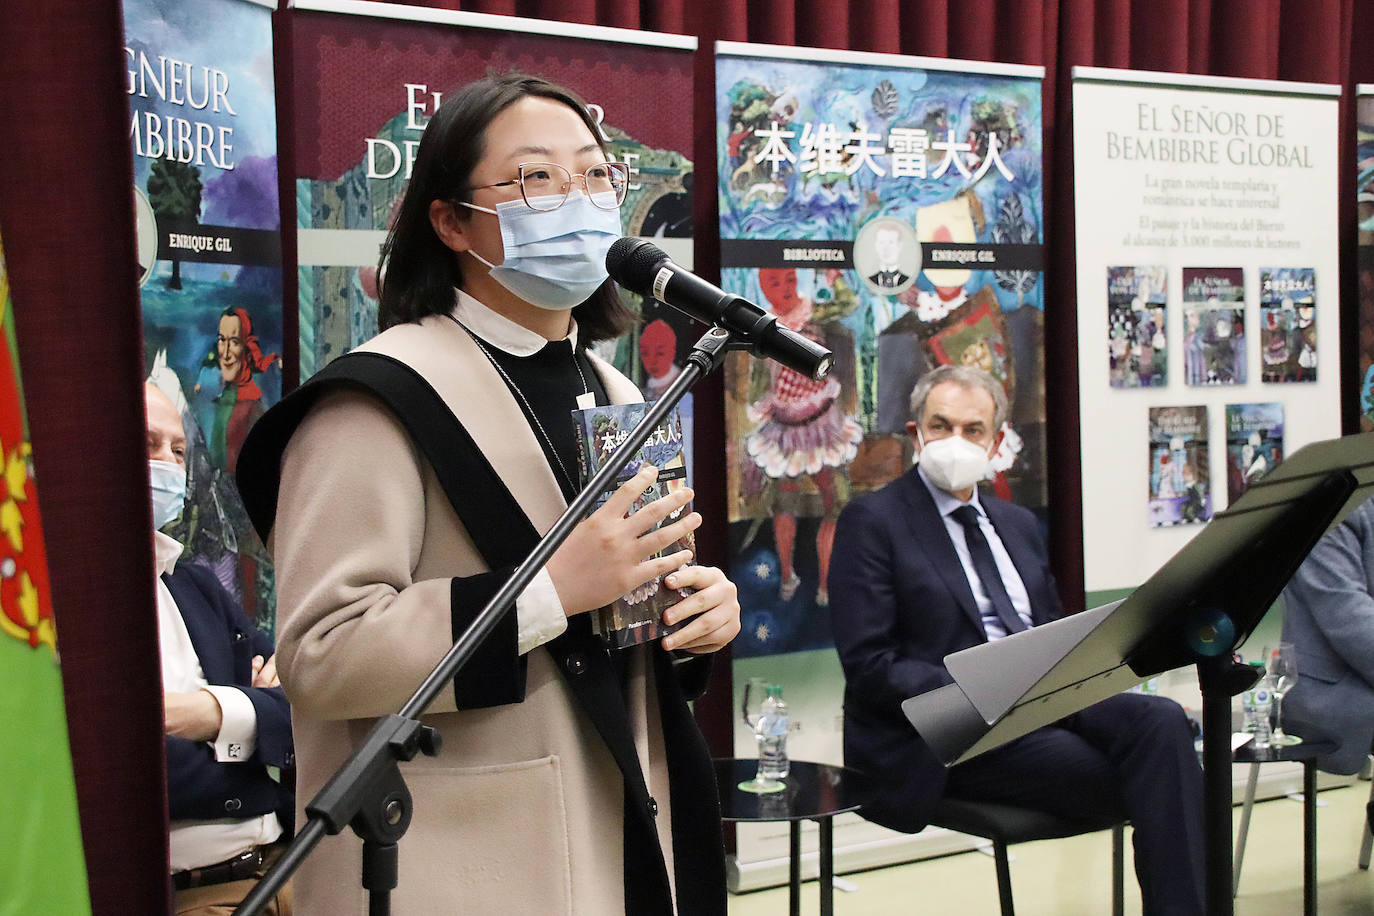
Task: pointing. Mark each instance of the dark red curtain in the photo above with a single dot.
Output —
(64, 214)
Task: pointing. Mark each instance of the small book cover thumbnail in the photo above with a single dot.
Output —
(1288, 324)
(1137, 354)
(1254, 445)
(1179, 488)
(1214, 326)
(638, 616)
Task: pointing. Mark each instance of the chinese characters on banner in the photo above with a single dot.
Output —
(889, 208)
(827, 150)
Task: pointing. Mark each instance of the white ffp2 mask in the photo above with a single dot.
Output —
(953, 463)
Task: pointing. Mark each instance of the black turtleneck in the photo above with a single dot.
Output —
(550, 383)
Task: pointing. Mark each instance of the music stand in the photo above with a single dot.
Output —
(1196, 610)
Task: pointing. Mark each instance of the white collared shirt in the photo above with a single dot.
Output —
(539, 613)
(499, 331)
(196, 843)
(945, 504)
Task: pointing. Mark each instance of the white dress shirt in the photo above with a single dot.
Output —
(196, 843)
(539, 613)
(946, 503)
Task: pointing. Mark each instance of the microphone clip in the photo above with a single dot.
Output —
(709, 352)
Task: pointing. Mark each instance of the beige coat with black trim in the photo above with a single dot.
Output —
(523, 810)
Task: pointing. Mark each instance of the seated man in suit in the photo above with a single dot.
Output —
(1329, 618)
(226, 718)
(927, 566)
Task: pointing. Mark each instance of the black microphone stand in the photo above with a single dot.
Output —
(368, 793)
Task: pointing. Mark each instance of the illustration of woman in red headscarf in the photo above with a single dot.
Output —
(239, 404)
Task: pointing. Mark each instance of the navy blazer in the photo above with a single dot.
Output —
(899, 603)
(198, 786)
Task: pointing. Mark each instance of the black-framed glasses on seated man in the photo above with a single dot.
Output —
(546, 185)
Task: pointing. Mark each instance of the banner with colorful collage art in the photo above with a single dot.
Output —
(367, 78)
(204, 134)
(890, 208)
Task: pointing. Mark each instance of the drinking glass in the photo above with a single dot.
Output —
(751, 708)
(1284, 667)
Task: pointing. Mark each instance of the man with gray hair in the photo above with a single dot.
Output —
(927, 566)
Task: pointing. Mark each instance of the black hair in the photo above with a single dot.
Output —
(417, 271)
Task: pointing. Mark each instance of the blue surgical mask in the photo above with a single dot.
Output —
(167, 480)
(554, 259)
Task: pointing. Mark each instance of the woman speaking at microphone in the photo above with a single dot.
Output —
(572, 779)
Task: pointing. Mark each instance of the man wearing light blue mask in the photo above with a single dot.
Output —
(225, 716)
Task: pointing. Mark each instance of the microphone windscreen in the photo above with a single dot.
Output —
(631, 262)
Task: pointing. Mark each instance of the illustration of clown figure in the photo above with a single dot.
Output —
(803, 441)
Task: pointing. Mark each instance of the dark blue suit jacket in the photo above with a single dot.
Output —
(899, 603)
(197, 785)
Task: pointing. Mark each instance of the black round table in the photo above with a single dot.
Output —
(1313, 746)
(815, 792)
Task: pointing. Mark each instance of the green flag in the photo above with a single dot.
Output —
(42, 868)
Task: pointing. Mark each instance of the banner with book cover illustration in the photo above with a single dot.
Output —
(1137, 346)
(1254, 444)
(1214, 351)
(1364, 209)
(1288, 324)
(889, 208)
(368, 76)
(204, 134)
(636, 617)
(1180, 490)
(1227, 191)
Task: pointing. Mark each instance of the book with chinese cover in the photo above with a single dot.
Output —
(1180, 492)
(1137, 354)
(636, 617)
(1254, 444)
(1214, 326)
(1288, 324)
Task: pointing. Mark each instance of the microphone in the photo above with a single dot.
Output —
(643, 268)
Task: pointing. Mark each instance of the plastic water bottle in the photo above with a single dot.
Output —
(1255, 705)
(772, 735)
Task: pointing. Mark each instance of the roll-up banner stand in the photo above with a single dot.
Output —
(203, 126)
(1364, 208)
(368, 76)
(889, 207)
(1208, 302)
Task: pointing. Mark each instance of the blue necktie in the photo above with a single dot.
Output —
(986, 568)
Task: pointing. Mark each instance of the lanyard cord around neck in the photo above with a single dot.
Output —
(525, 405)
